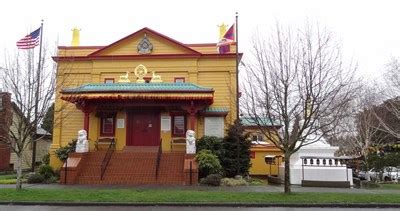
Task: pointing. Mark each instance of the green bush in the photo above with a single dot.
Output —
(233, 182)
(62, 152)
(46, 159)
(35, 178)
(208, 163)
(46, 171)
(211, 180)
(52, 179)
(212, 143)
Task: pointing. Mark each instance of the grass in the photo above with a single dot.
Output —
(10, 179)
(393, 186)
(8, 176)
(134, 195)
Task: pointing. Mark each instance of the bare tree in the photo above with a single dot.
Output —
(390, 109)
(296, 79)
(32, 95)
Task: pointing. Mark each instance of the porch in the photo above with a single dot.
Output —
(143, 165)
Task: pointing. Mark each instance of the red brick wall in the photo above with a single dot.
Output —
(5, 122)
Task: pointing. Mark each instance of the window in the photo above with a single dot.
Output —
(178, 125)
(257, 137)
(109, 80)
(214, 126)
(107, 126)
(179, 80)
(1, 103)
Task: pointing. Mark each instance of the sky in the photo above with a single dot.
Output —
(368, 30)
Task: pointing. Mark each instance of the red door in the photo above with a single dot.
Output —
(143, 129)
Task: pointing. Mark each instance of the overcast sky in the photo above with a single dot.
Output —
(368, 30)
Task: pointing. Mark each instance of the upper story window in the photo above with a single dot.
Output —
(109, 80)
(179, 80)
(1, 103)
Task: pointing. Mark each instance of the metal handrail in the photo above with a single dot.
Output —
(158, 158)
(107, 158)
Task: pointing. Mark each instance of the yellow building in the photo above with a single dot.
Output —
(144, 91)
(262, 148)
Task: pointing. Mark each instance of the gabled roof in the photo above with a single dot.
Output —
(150, 31)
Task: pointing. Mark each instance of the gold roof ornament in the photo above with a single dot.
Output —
(155, 78)
(140, 72)
(75, 37)
(222, 30)
(124, 78)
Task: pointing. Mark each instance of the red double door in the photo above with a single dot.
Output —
(143, 128)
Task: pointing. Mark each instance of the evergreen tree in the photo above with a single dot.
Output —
(48, 119)
(235, 157)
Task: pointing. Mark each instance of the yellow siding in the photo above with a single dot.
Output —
(129, 46)
(76, 51)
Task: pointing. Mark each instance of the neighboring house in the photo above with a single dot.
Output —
(261, 147)
(144, 91)
(9, 156)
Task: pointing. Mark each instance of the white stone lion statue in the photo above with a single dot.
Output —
(82, 144)
(190, 142)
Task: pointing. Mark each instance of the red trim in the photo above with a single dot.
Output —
(80, 47)
(101, 127)
(179, 78)
(109, 79)
(147, 30)
(206, 44)
(173, 115)
(252, 155)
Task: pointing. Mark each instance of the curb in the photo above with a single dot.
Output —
(206, 204)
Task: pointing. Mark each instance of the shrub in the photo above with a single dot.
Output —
(211, 180)
(35, 178)
(208, 163)
(235, 157)
(46, 159)
(212, 143)
(52, 179)
(46, 171)
(233, 182)
(62, 152)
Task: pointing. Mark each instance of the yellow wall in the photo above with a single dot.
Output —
(217, 73)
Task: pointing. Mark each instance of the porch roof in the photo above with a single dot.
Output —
(138, 91)
(137, 87)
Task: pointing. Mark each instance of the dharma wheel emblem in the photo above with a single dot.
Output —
(140, 72)
(145, 46)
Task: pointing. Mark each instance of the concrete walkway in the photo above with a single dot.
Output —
(260, 189)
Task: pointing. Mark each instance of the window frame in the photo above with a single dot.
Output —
(173, 134)
(179, 78)
(102, 125)
(109, 79)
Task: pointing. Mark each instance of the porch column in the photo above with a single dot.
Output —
(192, 119)
(86, 122)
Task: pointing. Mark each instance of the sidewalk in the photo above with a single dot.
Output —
(260, 189)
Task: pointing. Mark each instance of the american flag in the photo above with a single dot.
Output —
(30, 41)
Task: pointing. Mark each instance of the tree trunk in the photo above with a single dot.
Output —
(19, 172)
(287, 173)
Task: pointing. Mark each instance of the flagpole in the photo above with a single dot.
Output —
(237, 67)
(38, 83)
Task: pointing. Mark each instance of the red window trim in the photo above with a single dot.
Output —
(109, 79)
(101, 126)
(252, 155)
(179, 78)
(173, 125)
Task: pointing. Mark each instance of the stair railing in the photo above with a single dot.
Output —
(107, 158)
(158, 158)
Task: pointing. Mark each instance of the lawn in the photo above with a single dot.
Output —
(134, 195)
(10, 179)
(393, 186)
